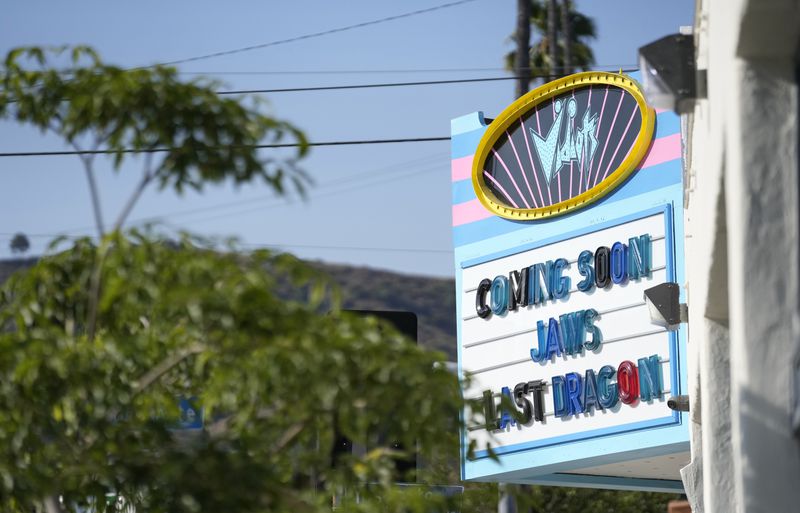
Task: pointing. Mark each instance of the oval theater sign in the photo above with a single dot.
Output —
(562, 146)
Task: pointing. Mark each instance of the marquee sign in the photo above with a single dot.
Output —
(571, 377)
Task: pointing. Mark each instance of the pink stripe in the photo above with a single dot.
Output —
(527, 145)
(663, 150)
(553, 103)
(559, 186)
(522, 169)
(602, 109)
(497, 184)
(596, 131)
(616, 150)
(461, 168)
(570, 178)
(610, 131)
(513, 182)
(469, 212)
(573, 131)
(583, 149)
(547, 186)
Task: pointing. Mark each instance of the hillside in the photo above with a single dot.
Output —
(432, 299)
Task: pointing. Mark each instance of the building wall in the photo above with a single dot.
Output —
(742, 254)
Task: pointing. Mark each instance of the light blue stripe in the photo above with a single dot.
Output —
(463, 435)
(583, 435)
(582, 230)
(667, 123)
(464, 145)
(609, 482)
(463, 191)
(467, 123)
(644, 180)
(636, 445)
(588, 217)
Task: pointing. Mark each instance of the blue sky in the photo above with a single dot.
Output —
(382, 206)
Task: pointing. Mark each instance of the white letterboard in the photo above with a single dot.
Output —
(496, 351)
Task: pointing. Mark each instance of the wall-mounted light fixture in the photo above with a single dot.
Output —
(670, 78)
(666, 310)
(678, 403)
(665, 307)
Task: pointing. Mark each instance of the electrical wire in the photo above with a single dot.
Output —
(314, 34)
(255, 146)
(365, 86)
(255, 245)
(275, 200)
(318, 196)
(387, 84)
(611, 67)
(348, 248)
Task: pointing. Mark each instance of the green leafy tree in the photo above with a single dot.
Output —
(19, 243)
(99, 339)
(547, 54)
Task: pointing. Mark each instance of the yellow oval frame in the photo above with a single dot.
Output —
(529, 101)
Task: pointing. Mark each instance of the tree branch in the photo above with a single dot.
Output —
(94, 289)
(147, 177)
(165, 365)
(220, 427)
(289, 435)
(87, 161)
(93, 190)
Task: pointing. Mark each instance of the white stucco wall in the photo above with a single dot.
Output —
(742, 256)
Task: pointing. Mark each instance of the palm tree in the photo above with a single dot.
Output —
(579, 29)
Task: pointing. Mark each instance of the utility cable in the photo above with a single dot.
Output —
(318, 196)
(383, 84)
(391, 84)
(256, 245)
(314, 34)
(273, 198)
(611, 67)
(366, 86)
(347, 248)
(255, 146)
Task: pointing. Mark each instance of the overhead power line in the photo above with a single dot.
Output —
(347, 248)
(255, 146)
(365, 86)
(272, 200)
(385, 84)
(337, 192)
(611, 67)
(316, 34)
(382, 84)
(308, 246)
(361, 181)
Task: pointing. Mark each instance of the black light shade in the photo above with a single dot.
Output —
(664, 304)
(668, 71)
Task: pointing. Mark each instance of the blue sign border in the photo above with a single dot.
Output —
(674, 418)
